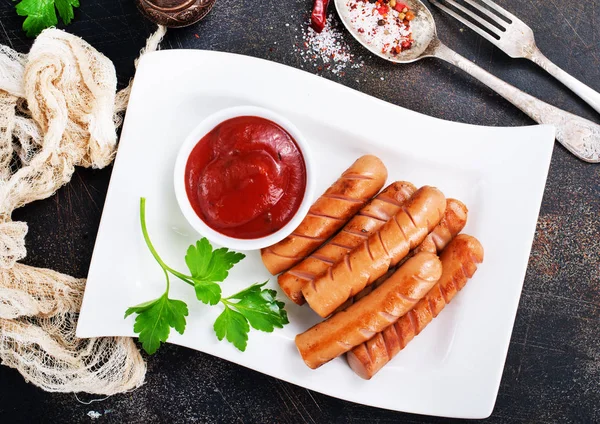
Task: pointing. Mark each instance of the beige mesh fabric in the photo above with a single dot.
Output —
(58, 109)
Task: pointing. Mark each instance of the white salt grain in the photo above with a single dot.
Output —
(327, 50)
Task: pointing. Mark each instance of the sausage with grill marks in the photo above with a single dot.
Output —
(368, 220)
(384, 249)
(328, 214)
(459, 262)
(454, 220)
(367, 317)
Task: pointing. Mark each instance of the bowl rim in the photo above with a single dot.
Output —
(204, 127)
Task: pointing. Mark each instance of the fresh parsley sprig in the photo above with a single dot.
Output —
(41, 14)
(252, 307)
(255, 306)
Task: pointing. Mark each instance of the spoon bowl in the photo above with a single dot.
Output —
(423, 31)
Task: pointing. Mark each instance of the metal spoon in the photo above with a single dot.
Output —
(578, 135)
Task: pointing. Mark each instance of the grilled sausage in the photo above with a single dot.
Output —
(459, 263)
(328, 214)
(368, 220)
(384, 249)
(361, 321)
(454, 220)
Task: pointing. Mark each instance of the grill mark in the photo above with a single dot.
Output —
(369, 251)
(454, 286)
(400, 228)
(321, 239)
(341, 246)
(388, 349)
(444, 294)
(366, 333)
(369, 215)
(400, 333)
(350, 294)
(353, 176)
(370, 358)
(376, 212)
(464, 271)
(344, 345)
(430, 306)
(347, 262)
(271, 251)
(381, 241)
(302, 274)
(391, 201)
(322, 215)
(411, 318)
(405, 209)
(388, 317)
(356, 233)
(340, 197)
(420, 279)
(407, 299)
(322, 258)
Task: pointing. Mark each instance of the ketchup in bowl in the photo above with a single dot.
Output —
(246, 178)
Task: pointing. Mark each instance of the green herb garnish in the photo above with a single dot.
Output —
(252, 307)
(41, 14)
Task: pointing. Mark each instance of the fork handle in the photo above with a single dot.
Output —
(591, 96)
(578, 135)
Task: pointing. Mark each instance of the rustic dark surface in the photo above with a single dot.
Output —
(552, 372)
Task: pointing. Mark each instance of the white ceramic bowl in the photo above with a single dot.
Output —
(207, 125)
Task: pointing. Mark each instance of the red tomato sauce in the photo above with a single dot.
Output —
(246, 178)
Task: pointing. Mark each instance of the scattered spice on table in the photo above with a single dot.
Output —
(326, 50)
(384, 24)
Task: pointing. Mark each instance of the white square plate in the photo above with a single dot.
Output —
(454, 367)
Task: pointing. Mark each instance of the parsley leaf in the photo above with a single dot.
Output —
(234, 326)
(209, 267)
(65, 9)
(155, 320)
(41, 14)
(261, 308)
(256, 307)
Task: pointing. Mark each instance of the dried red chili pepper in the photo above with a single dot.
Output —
(318, 17)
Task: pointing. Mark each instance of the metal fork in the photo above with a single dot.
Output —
(515, 39)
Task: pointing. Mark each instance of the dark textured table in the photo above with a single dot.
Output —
(552, 372)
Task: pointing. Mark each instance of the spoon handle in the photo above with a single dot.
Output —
(578, 135)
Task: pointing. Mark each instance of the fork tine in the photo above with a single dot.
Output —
(459, 18)
(493, 16)
(501, 10)
(493, 29)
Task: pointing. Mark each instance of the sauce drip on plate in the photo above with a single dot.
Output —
(246, 178)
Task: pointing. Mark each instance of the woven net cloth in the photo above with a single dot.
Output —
(59, 109)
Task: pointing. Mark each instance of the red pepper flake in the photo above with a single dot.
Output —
(383, 9)
(400, 6)
(196, 35)
(406, 44)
